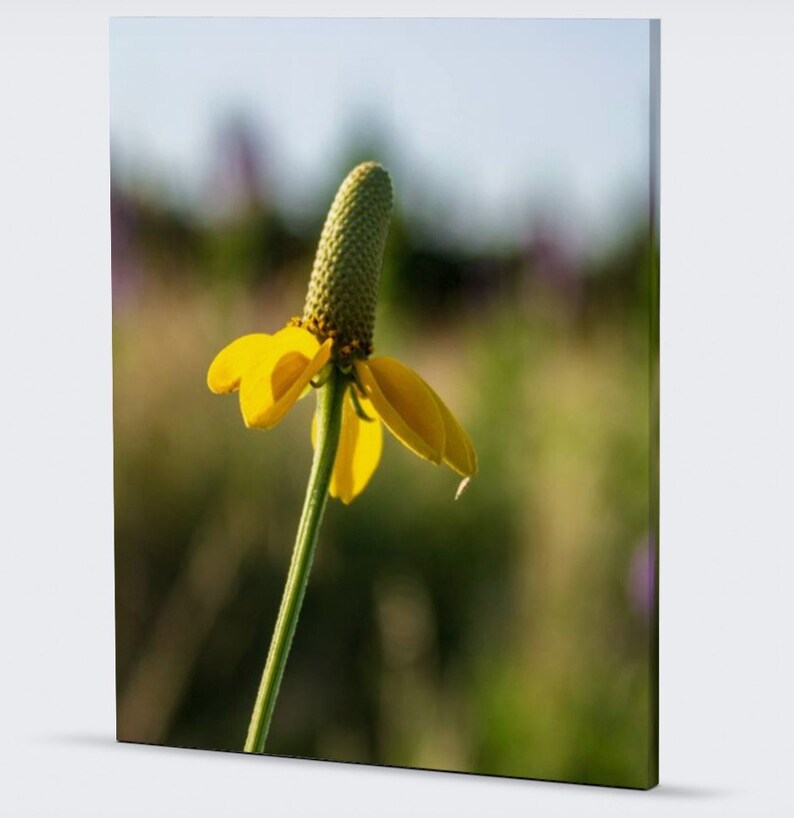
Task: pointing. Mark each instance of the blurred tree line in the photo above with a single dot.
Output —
(246, 239)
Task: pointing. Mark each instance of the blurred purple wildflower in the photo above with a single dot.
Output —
(642, 577)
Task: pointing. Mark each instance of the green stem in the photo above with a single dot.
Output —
(329, 422)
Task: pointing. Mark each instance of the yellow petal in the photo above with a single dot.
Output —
(270, 387)
(234, 360)
(405, 404)
(359, 451)
(459, 453)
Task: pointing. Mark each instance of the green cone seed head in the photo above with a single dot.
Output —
(343, 289)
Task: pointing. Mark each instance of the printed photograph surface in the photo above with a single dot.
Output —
(385, 324)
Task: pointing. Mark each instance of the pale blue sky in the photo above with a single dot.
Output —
(495, 118)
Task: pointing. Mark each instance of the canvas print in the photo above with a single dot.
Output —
(385, 350)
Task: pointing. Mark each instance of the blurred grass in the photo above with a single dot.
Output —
(499, 634)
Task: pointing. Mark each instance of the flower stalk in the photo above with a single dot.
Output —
(329, 420)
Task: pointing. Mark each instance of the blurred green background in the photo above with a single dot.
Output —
(509, 632)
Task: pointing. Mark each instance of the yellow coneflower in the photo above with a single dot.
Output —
(329, 348)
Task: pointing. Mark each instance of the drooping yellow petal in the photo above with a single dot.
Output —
(405, 404)
(270, 387)
(459, 453)
(358, 453)
(234, 360)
